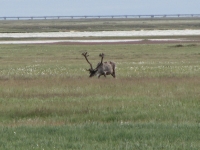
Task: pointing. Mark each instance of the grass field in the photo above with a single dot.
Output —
(47, 100)
(9, 26)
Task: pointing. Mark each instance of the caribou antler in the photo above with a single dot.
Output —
(86, 55)
(99, 64)
(102, 56)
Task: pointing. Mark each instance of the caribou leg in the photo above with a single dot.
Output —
(101, 75)
(113, 74)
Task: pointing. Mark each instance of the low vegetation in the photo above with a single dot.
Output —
(13, 26)
(47, 100)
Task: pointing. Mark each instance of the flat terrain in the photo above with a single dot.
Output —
(47, 100)
(23, 26)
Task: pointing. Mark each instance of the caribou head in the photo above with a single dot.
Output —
(102, 68)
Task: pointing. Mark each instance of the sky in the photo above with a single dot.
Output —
(17, 8)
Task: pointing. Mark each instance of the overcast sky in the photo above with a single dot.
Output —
(96, 7)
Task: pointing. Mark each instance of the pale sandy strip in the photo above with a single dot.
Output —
(103, 33)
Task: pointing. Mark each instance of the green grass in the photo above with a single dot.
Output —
(47, 100)
(102, 136)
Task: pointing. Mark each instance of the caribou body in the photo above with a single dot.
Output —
(102, 68)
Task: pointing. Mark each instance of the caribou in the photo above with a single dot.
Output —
(102, 68)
